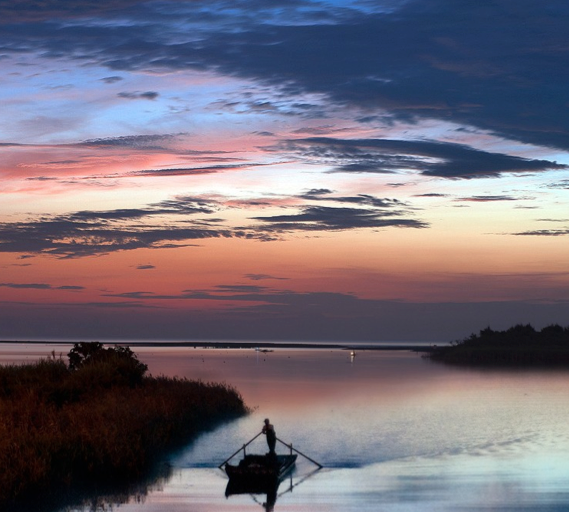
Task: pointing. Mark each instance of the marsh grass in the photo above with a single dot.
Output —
(63, 428)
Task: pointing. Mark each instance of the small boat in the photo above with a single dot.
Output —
(260, 471)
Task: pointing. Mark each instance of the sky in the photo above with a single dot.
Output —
(343, 170)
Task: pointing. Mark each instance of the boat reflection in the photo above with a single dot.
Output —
(255, 489)
(269, 490)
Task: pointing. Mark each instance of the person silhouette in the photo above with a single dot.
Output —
(269, 431)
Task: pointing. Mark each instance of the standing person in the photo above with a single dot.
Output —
(269, 431)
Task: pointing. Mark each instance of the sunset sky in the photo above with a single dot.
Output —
(390, 170)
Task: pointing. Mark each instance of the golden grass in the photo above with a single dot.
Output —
(61, 428)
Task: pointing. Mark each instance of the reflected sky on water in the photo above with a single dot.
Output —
(395, 432)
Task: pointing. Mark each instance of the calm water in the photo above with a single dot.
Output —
(394, 432)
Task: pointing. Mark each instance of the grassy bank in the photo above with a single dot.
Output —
(96, 420)
(521, 345)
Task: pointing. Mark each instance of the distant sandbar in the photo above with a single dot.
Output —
(264, 345)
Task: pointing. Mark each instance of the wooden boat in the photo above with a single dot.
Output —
(260, 471)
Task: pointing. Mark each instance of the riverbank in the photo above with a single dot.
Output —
(98, 424)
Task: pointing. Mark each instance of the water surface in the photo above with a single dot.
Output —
(395, 433)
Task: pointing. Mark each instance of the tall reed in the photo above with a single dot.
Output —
(61, 428)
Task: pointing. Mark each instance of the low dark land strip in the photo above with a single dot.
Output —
(249, 345)
(521, 345)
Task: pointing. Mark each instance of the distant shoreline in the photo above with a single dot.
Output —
(520, 345)
(242, 345)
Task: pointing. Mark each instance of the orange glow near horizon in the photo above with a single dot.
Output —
(233, 180)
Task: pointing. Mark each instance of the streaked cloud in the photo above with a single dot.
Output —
(429, 158)
(263, 277)
(148, 95)
(325, 218)
(488, 199)
(544, 232)
(40, 286)
(95, 232)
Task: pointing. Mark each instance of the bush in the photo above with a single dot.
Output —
(105, 367)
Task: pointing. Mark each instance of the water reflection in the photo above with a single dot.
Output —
(113, 496)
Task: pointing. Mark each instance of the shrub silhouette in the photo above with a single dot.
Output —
(104, 367)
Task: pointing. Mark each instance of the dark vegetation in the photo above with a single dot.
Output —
(96, 421)
(518, 345)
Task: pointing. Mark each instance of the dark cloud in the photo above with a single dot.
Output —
(112, 79)
(262, 277)
(285, 107)
(264, 134)
(320, 130)
(87, 233)
(498, 66)
(430, 158)
(108, 305)
(136, 295)
(487, 199)
(238, 288)
(67, 238)
(361, 199)
(40, 286)
(148, 95)
(563, 185)
(426, 60)
(183, 205)
(317, 192)
(544, 232)
(17, 11)
(31, 286)
(247, 294)
(143, 142)
(190, 171)
(145, 267)
(324, 218)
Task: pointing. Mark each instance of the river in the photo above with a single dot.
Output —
(394, 432)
